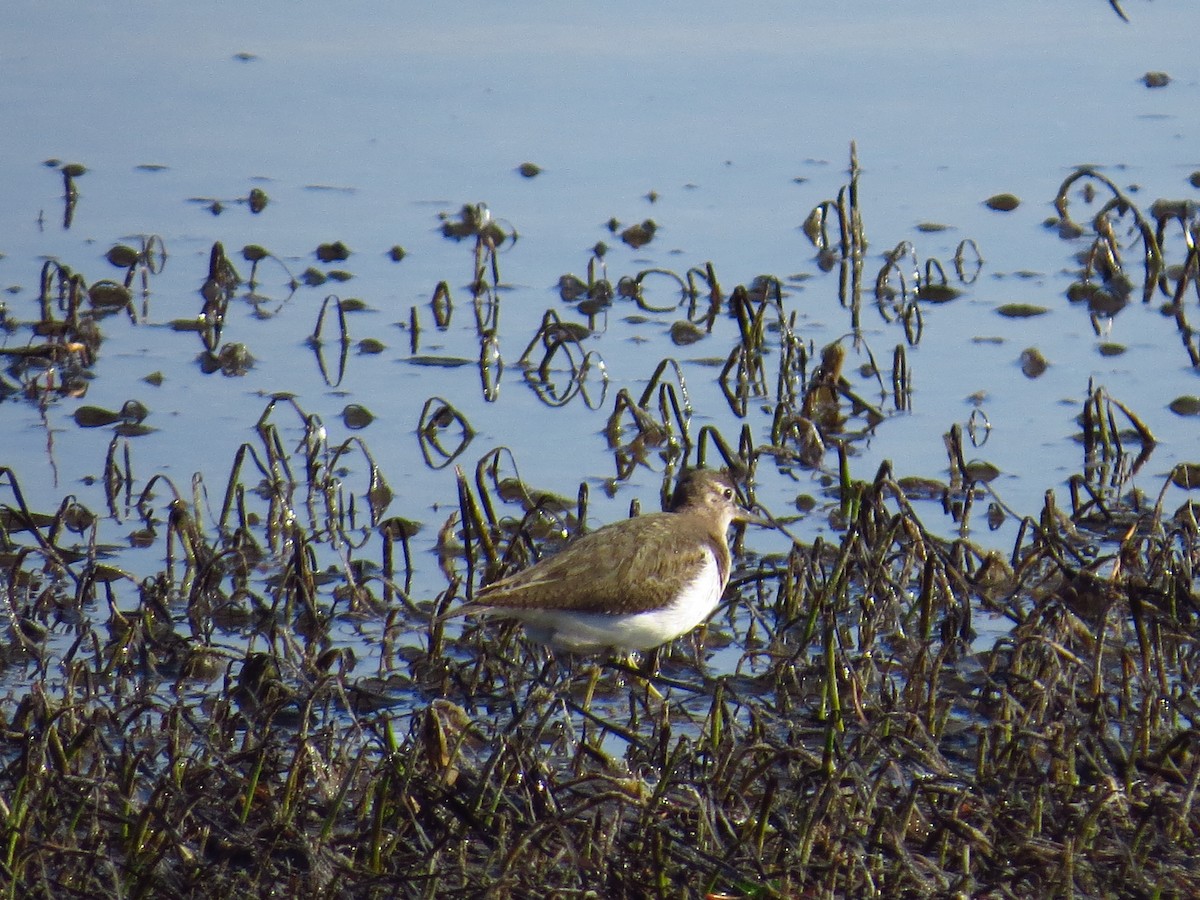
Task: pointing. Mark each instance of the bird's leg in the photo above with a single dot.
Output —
(644, 671)
(697, 645)
(543, 678)
(649, 666)
(593, 671)
(648, 672)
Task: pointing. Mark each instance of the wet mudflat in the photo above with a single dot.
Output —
(272, 405)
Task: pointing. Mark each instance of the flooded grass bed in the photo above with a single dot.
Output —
(260, 440)
(887, 707)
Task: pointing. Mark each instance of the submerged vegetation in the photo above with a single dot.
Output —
(280, 708)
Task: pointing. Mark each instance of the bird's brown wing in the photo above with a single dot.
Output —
(654, 555)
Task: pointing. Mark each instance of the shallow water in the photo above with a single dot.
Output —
(363, 126)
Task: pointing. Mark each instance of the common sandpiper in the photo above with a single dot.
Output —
(631, 585)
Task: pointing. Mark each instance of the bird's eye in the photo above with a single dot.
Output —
(728, 493)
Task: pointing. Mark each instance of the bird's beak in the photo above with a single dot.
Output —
(745, 517)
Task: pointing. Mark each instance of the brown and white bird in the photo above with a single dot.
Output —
(631, 585)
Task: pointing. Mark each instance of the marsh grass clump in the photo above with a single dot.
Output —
(862, 740)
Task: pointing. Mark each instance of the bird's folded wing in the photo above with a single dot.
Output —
(641, 565)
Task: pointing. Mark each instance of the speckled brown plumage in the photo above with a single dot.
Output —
(634, 566)
(658, 553)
